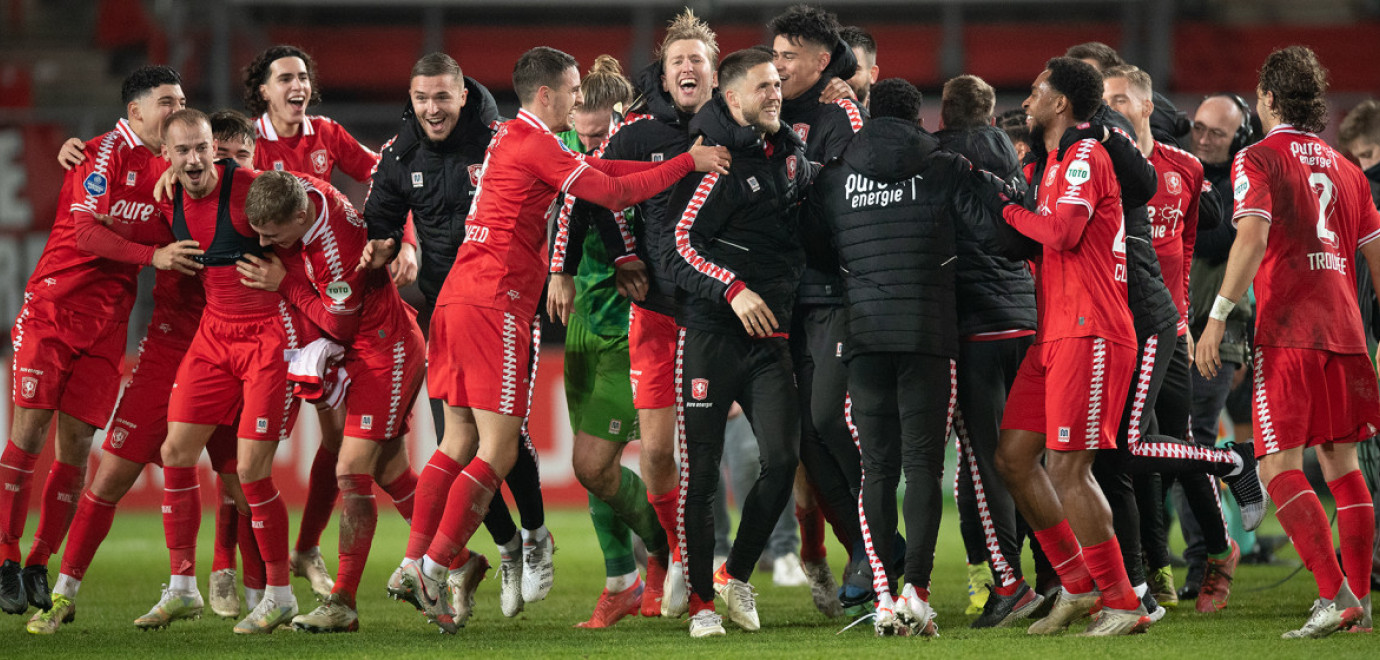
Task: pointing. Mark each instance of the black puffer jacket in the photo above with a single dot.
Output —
(653, 131)
(826, 129)
(738, 229)
(435, 182)
(891, 203)
(995, 294)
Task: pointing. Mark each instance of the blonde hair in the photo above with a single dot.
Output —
(687, 25)
(605, 86)
(1134, 77)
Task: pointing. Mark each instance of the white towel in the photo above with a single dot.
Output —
(316, 374)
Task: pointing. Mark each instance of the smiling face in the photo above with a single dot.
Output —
(755, 100)
(1214, 125)
(1043, 105)
(1131, 101)
(149, 110)
(190, 151)
(437, 101)
(238, 149)
(688, 74)
(799, 64)
(287, 90)
(562, 100)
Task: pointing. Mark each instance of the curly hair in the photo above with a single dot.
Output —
(896, 98)
(1013, 123)
(144, 79)
(256, 74)
(1299, 84)
(605, 86)
(1079, 82)
(807, 23)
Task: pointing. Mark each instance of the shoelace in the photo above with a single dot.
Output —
(870, 616)
(747, 596)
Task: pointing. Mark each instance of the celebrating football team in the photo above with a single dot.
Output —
(1066, 289)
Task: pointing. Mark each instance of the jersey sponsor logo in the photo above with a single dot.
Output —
(699, 388)
(1241, 187)
(752, 183)
(658, 157)
(802, 130)
(1078, 172)
(131, 178)
(134, 211)
(1173, 183)
(118, 435)
(339, 291)
(475, 170)
(416, 179)
(790, 167)
(366, 422)
(28, 387)
(95, 184)
(615, 426)
(318, 161)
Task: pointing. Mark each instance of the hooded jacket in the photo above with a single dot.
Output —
(435, 182)
(995, 294)
(740, 229)
(825, 128)
(892, 204)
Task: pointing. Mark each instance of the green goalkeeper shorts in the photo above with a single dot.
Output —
(597, 389)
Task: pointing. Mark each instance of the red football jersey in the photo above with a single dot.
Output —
(225, 294)
(502, 263)
(1081, 287)
(321, 146)
(117, 179)
(328, 254)
(1174, 219)
(1320, 211)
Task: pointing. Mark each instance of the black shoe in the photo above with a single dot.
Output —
(1000, 611)
(856, 588)
(1246, 488)
(12, 599)
(1152, 607)
(1044, 606)
(35, 579)
(1193, 582)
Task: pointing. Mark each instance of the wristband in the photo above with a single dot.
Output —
(1221, 309)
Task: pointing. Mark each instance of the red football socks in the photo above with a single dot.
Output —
(665, 505)
(811, 533)
(255, 576)
(1303, 519)
(60, 494)
(270, 528)
(89, 527)
(403, 491)
(1109, 573)
(1356, 523)
(16, 478)
(321, 496)
(181, 517)
(359, 514)
(468, 504)
(227, 529)
(1066, 557)
(433, 486)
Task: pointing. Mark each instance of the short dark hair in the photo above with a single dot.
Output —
(1299, 84)
(436, 64)
(273, 198)
(1105, 56)
(232, 125)
(187, 117)
(256, 74)
(1013, 123)
(539, 67)
(1079, 82)
(144, 79)
(857, 37)
(807, 23)
(894, 97)
(968, 102)
(735, 65)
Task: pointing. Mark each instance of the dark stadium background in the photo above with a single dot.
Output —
(61, 63)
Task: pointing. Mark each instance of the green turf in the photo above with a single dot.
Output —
(123, 583)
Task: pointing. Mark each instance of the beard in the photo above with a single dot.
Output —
(1037, 133)
(758, 121)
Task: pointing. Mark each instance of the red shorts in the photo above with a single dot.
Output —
(384, 382)
(51, 343)
(1306, 397)
(1073, 391)
(652, 352)
(479, 358)
(235, 365)
(141, 420)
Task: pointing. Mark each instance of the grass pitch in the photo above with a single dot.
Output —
(124, 580)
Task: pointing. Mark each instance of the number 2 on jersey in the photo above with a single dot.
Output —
(1323, 188)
